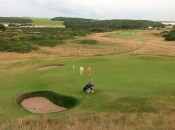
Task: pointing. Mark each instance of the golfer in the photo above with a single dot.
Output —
(89, 87)
(89, 70)
(81, 70)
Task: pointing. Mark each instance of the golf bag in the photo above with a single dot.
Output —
(85, 88)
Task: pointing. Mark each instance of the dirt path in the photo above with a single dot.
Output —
(40, 105)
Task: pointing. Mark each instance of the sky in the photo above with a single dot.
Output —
(156, 10)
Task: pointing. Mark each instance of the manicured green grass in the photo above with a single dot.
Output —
(122, 84)
(129, 34)
(44, 22)
(47, 22)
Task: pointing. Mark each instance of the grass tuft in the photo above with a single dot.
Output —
(88, 41)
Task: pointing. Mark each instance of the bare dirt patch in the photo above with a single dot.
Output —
(40, 105)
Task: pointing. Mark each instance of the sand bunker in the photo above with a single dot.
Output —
(40, 105)
(49, 67)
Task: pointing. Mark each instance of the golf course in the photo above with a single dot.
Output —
(133, 73)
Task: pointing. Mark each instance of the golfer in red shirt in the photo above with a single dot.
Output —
(89, 70)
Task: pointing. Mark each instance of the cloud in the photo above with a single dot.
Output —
(101, 9)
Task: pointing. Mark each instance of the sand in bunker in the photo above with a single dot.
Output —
(40, 105)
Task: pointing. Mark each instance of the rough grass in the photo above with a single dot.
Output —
(88, 41)
(51, 43)
(100, 121)
(129, 34)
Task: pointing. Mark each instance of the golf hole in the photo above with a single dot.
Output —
(46, 102)
(48, 67)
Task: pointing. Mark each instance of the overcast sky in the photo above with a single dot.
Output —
(157, 10)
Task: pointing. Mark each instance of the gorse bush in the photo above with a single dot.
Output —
(34, 38)
(164, 33)
(170, 36)
(17, 47)
(2, 27)
(16, 37)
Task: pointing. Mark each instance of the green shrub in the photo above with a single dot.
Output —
(17, 47)
(170, 36)
(14, 39)
(38, 36)
(164, 33)
(34, 38)
(88, 41)
(64, 37)
(2, 27)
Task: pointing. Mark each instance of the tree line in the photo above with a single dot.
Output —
(15, 20)
(102, 25)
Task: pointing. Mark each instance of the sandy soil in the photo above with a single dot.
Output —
(40, 105)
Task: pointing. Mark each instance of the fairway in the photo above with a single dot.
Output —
(47, 22)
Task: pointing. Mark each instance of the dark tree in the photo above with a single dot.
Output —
(170, 36)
